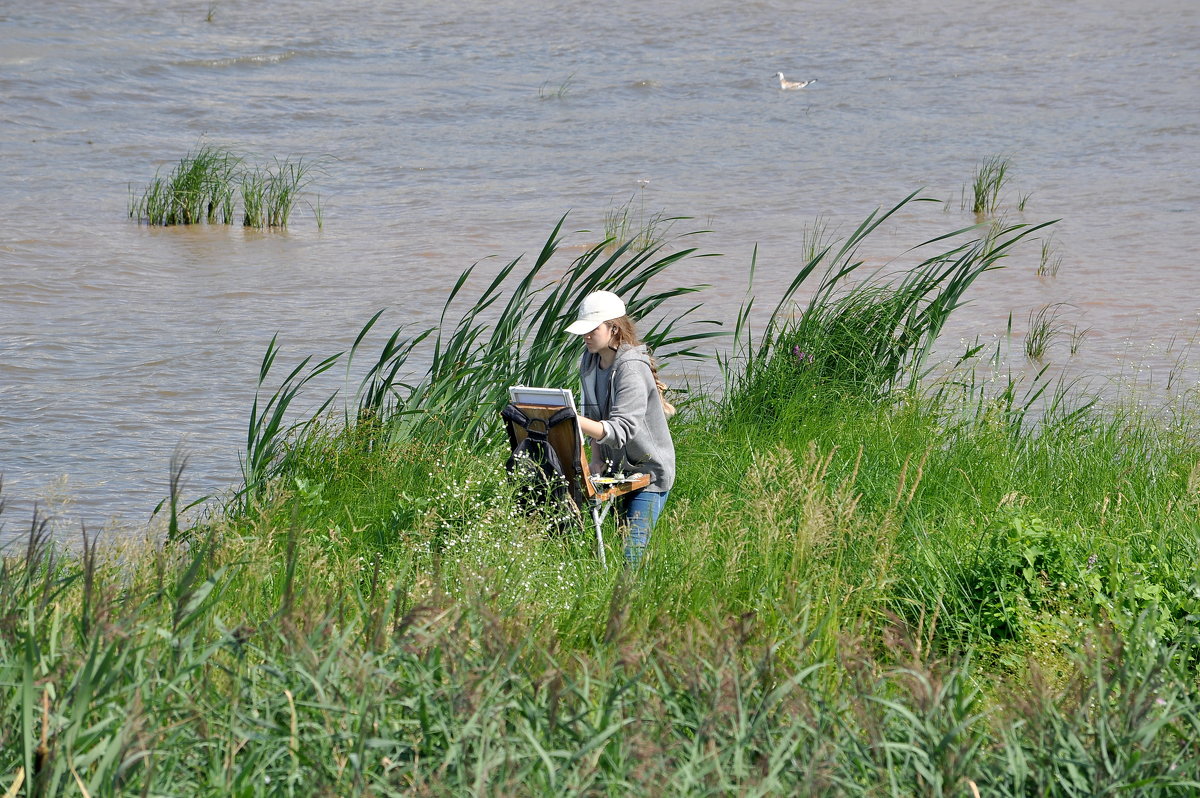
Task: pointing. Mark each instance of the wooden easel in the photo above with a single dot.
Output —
(566, 442)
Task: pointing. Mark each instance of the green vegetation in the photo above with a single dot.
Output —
(269, 195)
(202, 188)
(1051, 260)
(863, 584)
(990, 177)
(628, 224)
(198, 189)
(545, 92)
(1045, 324)
(1077, 336)
(815, 238)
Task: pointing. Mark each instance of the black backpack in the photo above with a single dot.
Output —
(533, 464)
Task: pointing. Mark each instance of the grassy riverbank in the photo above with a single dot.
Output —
(861, 585)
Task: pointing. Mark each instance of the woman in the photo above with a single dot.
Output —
(623, 412)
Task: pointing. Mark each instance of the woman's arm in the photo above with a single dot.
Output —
(592, 429)
(628, 409)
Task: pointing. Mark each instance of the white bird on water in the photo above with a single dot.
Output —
(786, 84)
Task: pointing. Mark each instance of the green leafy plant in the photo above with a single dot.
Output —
(1015, 574)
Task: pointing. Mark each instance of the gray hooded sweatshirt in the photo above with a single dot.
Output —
(636, 436)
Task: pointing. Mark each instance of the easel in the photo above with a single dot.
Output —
(567, 442)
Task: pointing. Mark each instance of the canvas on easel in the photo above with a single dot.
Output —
(539, 406)
(566, 438)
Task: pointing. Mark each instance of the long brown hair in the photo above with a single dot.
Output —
(624, 332)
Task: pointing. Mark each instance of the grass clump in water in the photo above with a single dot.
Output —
(560, 92)
(200, 188)
(628, 223)
(990, 177)
(269, 195)
(1045, 324)
(204, 186)
(1051, 260)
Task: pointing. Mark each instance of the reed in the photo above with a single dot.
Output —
(319, 213)
(269, 429)
(284, 185)
(512, 333)
(815, 239)
(1077, 336)
(1045, 324)
(628, 223)
(865, 335)
(200, 188)
(1051, 260)
(254, 199)
(269, 195)
(560, 92)
(204, 185)
(990, 177)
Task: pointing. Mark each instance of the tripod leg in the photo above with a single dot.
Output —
(598, 518)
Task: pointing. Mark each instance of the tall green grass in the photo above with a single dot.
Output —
(628, 223)
(795, 631)
(1051, 260)
(511, 333)
(1045, 324)
(862, 334)
(880, 586)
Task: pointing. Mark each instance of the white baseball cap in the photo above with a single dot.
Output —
(596, 308)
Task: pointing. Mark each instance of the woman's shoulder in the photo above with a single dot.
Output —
(627, 355)
(628, 352)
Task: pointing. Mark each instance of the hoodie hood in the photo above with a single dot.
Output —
(590, 362)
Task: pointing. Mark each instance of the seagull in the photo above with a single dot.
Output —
(785, 84)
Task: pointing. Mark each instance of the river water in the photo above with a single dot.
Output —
(460, 131)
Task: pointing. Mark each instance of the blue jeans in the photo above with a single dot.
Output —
(639, 510)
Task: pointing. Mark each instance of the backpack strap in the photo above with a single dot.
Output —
(513, 417)
(513, 414)
(560, 417)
